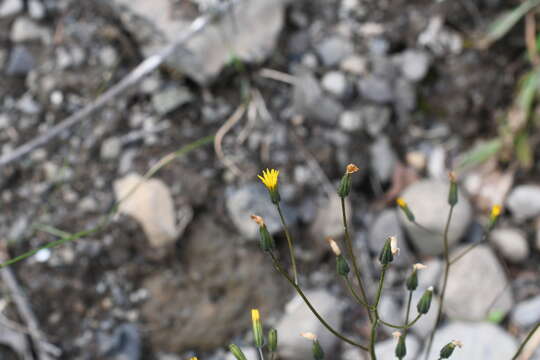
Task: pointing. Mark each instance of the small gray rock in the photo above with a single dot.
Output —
(375, 118)
(387, 224)
(405, 94)
(351, 121)
(26, 29)
(480, 341)
(20, 62)
(476, 285)
(111, 148)
(299, 319)
(10, 8)
(253, 199)
(385, 350)
(524, 202)
(334, 49)
(354, 64)
(383, 158)
(414, 64)
(526, 313)
(376, 88)
(428, 200)
(36, 9)
(335, 83)
(124, 344)
(171, 98)
(511, 243)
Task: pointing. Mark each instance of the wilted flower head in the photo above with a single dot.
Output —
(393, 245)
(309, 336)
(334, 246)
(396, 334)
(419, 266)
(269, 178)
(259, 220)
(457, 343)
(351, 168)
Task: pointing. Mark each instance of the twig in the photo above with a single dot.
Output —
(144, 68)
(522, 346)
(223, 130)
(278, 76)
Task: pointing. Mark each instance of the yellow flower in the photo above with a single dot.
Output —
(401, 203)
(194, 358)
(270, 178)
(496, 211)
(255, 315)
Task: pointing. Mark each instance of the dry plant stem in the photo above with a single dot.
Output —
(522, 346)
(447, 265)
(260, 354)
(278, 267)
(289, 242)
(348, 243)
(375, 314)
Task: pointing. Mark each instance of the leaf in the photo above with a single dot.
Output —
(496, 316)
(523, 150)
(528, 88)
(506, 21)
(481, 153)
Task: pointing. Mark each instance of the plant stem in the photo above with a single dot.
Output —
(466, 251)
(348, 243)
(289, 242)
(402, 327)
(260, 354)
(522, 346)
(408, 310)
(376, 319)
(447, 265)
(354, 294)
(278, 267)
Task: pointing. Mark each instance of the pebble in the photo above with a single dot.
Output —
(334, 49)
(387, 224)
(526, 313)
(328, 220)
(480, 340)
(298, 319)
(383, 158)
(151, 204)
(524, 202)
(475, 282)
(335, 83)
(36, 9)
(111, 148)
(375, 118)
(20, 62)
(428, 200)
(511, 243)
(376, 88)
(253, 199)
(108, 56)
(351, 121)
(171, 98)
(11, 7)
(354, 64)
(124, 344)
(414, 64)
(26, 29)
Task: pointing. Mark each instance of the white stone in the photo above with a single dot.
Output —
(151, 204)
(476, 286)
(511, 243)
(299, 318)
(335, 83)
(354, 64)
(351, 121)
(10, 7)
(25, 29)
(526, 313)
(524, 202)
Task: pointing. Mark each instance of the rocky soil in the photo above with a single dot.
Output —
(396, 87)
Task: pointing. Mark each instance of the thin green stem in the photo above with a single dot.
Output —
(422, 227)
(278, 267)
(402, 327)
(375, 310)
(471, 247)
(354, 294)
(409, 301)
(447, 265)
(289, 242)
(522, 346)
(348, 244)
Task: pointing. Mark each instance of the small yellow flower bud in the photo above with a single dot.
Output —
(405, 208)
(494, 216)
(401, 203)
(334, 246)
(257, 328)
(496, 211)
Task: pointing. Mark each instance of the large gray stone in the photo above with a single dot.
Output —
(526, 313)
(299, 319)
(334, 49)
(524, 201)
(428, 200)
(249, 32)
(20, 62)
(253, 199)
(511, 243)
(481, 341)
(11, 7)
(476, 286)
(383, 158)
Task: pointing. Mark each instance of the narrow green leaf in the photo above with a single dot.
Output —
(524, 153)
(506, 21)
(481, 153)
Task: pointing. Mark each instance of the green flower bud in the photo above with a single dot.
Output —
(238, 354)
(272, 340)
(405, 208)
(425, 301)
(453, 192)
(448, 349)
(412, 281)
(386, 256)
(345, 184)
(257, 328)
(342, 266)
(401, 349)
(266, 240)
(318, 353)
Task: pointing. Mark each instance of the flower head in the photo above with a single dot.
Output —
(309, 335)
(259, 220)
(270, 178)
(334, 246)
(419, 266)
(401, 202)
(396, 334)
(393, 245)
(457, 343)
(255, 316)
(351, 168)
(496, 211)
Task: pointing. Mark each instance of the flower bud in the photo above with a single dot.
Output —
(405, 208)
(448, 349)
(401, 349)
(425, 301)
(341, 266)
(318, 353)
(412, 280)
(345, 184)
(386, 256)
(272, 340)
(453, 192)
(237, 352)
(334, 246)
(494, 216)
(257, 328)
(267, 242)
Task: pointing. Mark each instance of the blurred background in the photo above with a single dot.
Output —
(405, 89)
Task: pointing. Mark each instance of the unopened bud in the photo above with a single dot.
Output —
(257, 328)
(334, 246)
(272, 340)
(425, 301)
(405, 208)
(448, 349)
(401, 349)
(318, 353)
(386, 256)
(267, 242)
(341, 266)
(453, 192)
(393, 246)
(237, 352)
(412, 280)
(345, 184)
